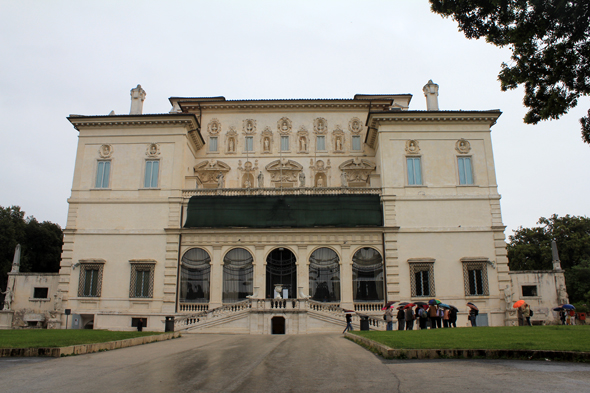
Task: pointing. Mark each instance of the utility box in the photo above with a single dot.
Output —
(169, 324)
(76, 320)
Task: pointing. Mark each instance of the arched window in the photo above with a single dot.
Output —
(367, 275)
(195, 271)
(324, 275)
(237, 275)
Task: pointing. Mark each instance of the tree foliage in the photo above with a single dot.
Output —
(530, 249)
(550, 44)
(41, 243)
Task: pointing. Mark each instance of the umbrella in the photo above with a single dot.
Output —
(558, 309)
(454, 308)
(403, 304)
(518, 304)
(567, 307)
(387, 305)
(473, 306)
(434, 301)
(443, 305)
(420, 303)
(409, 305)
(349, 311)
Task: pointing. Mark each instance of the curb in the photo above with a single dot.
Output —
(391, 353)
(85, 348)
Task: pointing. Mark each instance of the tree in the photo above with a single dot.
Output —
(530, 249)
(41, 243)
(550, 44)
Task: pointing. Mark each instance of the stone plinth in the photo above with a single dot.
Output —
(6, 317)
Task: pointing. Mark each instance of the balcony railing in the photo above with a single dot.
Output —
(281, 191)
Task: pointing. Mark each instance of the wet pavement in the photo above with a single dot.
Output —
(257, 363)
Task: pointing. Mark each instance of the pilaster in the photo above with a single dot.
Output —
(216, 279)
(347, 300)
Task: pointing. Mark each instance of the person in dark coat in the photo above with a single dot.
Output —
(453, 318)
(140, 325)
(348, 323)
(432, 313)
(401, 318)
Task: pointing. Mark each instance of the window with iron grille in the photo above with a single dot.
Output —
(90, 279)
(475, 276)
(142, 280)
(422, 279)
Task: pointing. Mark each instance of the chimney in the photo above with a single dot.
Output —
(431, 93)
(137, 97)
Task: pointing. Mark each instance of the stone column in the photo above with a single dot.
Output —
(302, 271)
(216, 279)
(347, 297)
(259, 273)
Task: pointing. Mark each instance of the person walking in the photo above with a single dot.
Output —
(453, 317)
(401, 318)
(348, 323)
(446, 313)
(562, 317)
(409, 318)
(526, 313)
(389, 318)
(432, 315)
(473, 317)
(140, 325)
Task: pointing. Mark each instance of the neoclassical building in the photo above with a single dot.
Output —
(261, 216)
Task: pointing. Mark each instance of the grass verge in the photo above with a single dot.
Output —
(549, 338)
(43, 338)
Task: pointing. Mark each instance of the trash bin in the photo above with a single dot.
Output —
(169, 324)
(364, 322)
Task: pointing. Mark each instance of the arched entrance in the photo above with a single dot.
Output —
(281, 269)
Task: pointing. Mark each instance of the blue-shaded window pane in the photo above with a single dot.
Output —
(213, 143)
(102, 174)
(284, 143)
(321, 143)
(414, 171)
(465, 172)
(249, 143)
(356, 142)
(151, 174)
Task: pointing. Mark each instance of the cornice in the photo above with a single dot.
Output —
(258, 106)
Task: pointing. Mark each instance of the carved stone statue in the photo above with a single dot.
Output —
(301, 179)
(231, 144)
(338, 144)
(508, 297)
(343, 179)
(8, 297)
(220, 180)
(260, 180)
(320, 182)
(302, 144)
(137, 98)
(266, 144)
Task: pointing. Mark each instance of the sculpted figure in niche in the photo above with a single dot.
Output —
(260, 180)
(231, 144)
(338, 144)
(285, 126)
(301, 179)
(302, 144)
(320, 182)
(220, 180)
(214, 128)
(343, 179)
(249, 127)
(320, 126)
(105, 150)
(356, 126)
(266, 144)
(153, 149)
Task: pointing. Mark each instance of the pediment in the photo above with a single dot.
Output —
(357, 164)
(284, 165)
(212, 165)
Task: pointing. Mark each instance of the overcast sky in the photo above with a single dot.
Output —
(83, 57)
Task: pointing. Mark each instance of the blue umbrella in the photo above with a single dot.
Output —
(443, 305)
(567, 307)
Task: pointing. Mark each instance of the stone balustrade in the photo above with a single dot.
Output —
(368, 307)
(193, 307)
(281, 191)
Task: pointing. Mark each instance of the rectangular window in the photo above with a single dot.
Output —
(414, 171)
(249, 143)
(529, 290)
(356, 142)
(465, 172)
(212, 143)
(422, 276)
(142, 280)
(321, 143)
(284, 143)
(475, 276)
(151, 174)
(40, 293)
(103, 171)
(90, 280)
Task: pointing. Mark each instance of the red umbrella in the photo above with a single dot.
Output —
(518, 304)
(388, 305)
(409, 305)
(473, 306)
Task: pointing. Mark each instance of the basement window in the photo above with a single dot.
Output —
(529, 290)
(40, 293)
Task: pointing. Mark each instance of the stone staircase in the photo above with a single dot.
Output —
(330, 315)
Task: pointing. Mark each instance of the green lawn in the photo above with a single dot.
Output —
(553, 338)
(35, 338)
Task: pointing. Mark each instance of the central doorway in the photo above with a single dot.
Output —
(281, 269)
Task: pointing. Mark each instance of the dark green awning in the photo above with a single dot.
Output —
(296, 211)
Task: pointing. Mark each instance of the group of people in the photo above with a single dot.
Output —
(406, 316)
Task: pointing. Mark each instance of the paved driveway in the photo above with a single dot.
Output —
(305, 363)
